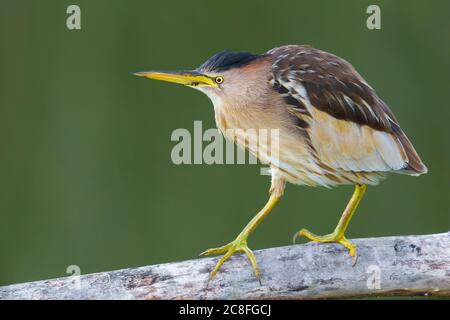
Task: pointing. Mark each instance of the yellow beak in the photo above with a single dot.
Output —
(187, 78)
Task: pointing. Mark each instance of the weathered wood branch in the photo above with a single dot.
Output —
(406, 265)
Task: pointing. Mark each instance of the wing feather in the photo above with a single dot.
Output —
(349, 126)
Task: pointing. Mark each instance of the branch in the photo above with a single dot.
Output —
(404, 265)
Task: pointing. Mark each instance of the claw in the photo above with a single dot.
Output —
(215, 250)
(294, 238)
(299, 234)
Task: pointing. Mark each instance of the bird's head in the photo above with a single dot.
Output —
(234, 77)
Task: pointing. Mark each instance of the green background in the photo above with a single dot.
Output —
(85, 171)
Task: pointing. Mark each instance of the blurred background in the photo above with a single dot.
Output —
(86, 176)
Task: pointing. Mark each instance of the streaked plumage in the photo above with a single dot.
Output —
(333, 128)
(347, 125)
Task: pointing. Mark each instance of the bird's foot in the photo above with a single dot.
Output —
(332, 237)
(238, 245)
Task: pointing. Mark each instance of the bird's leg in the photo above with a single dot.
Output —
(338, 233)
(240, 243)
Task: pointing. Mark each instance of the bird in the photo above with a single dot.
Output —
(332, 128)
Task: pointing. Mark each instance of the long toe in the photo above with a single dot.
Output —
(332, 237)
(218, 250)
(238, 245)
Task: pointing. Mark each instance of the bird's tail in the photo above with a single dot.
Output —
(415, 165)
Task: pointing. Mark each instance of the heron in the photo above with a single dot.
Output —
(333, 129)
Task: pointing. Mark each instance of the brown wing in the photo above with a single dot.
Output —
(348, 126)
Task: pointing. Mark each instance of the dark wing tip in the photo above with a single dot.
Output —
(415, 166)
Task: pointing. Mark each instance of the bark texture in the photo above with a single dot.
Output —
(402, 265)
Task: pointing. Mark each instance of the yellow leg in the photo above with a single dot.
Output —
(338, 233)
(240, 243)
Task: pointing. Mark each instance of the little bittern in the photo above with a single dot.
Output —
(333, 128)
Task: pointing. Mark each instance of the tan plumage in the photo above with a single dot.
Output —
(354, 136)
(331, 126)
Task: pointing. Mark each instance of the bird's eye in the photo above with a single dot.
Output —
(219, 80)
